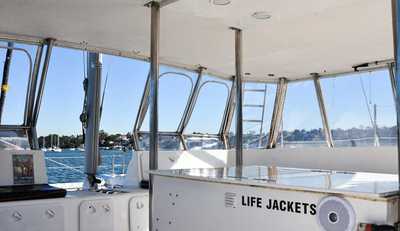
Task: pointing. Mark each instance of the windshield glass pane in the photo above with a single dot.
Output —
(59, 122)
(13, 140)
(175, 87)
(199, 143)
(255, 132)
(14, 107)
(355, 103)
(301, 123)
(210, 106)
(165, 142)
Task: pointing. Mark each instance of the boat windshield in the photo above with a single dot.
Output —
(12, 140)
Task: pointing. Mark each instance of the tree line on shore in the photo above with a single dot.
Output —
(125, 140)
(76, 141)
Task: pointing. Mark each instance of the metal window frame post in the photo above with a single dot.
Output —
(94, 68)
(322, 110)
(396, 45)
(239, 96)
(228, 115)
(143, 107)
(30, 99)
(277, 113)
(154, 73)
(32, 83)
(6, 73)
(45, 68)
(392, 75)
(34, 116)
(263, 116)
(187, 114)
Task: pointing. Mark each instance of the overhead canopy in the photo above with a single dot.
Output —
(301, 37)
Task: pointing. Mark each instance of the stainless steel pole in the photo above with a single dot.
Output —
(94, 68)
(154, 74)
(396, 45)
(322, 109)
(6, 73)
(239, 97)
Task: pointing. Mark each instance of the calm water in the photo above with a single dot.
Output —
(68, 165)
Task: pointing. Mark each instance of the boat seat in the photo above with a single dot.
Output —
(30, 192)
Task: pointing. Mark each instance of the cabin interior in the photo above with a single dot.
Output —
(259, 70)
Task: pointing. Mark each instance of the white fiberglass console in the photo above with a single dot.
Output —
(22, 167)
(271, 198)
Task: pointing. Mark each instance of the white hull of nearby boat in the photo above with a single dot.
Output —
(55, 150)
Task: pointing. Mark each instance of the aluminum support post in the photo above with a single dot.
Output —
(322, 109)
(94, 68)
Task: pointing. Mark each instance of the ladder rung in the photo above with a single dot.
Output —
(253, 121)
(255, 90)
(253, 105)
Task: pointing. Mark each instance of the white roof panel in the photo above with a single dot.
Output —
(301, 37)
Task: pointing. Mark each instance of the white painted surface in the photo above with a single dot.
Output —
(96, 215)
(40, 217)
(179, 160)
(134, 173)
(183, 204)
(7, 171)
(359, 159)
(139, 210)
(72, 205)
(301, 37)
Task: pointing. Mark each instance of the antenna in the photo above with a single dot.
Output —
(104, 93)
(376, 137)
(371, 117)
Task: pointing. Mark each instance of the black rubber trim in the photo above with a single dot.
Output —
(30, 192)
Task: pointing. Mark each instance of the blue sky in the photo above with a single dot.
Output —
(62, 102)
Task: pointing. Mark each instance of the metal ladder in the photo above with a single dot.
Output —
(258, 106)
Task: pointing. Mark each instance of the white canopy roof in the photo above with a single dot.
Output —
(301, 37)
